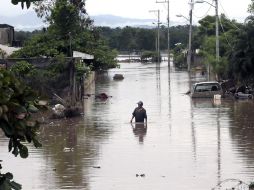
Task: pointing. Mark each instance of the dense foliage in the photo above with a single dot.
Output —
(17, 104)
(23, 2)
(241, 58)
(22, 36)
(69, 29)
(125, 39)
(150, 56)
(204, 39)
(236, 47)
(179, 56)
(241, 65)
(235, 39)
(139, 39)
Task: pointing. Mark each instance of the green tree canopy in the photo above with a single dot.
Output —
(241, 65)
(205, 41)
(17, 104)
(27, 2)
(251, 7)
(69, 29)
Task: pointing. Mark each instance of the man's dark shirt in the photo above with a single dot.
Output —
(139, 114)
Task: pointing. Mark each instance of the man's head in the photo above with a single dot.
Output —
(140, 103)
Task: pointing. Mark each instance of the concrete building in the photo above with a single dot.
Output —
(6, 34)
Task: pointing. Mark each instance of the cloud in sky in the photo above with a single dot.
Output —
(234, 9)
(8, 9)
(140, 8)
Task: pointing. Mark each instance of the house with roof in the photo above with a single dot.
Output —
(7, 40)
(6, 34)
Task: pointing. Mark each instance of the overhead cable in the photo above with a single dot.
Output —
(199, 17)
(233, 24)
(224, 33)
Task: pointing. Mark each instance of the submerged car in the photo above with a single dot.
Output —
(206, 90)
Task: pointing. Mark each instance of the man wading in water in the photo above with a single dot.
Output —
(139, 113)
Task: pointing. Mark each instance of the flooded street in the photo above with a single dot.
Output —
(187, 145)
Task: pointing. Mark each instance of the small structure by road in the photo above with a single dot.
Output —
(6, 34)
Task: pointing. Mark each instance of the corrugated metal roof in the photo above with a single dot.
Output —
(82, 55)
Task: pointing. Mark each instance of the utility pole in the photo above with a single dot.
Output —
(189, 54)
(158, 33)
(156, 44)
(167, 1)
(168, 37)
(190, 37)
(217, 48)
(70, 44)
(217, 32)
(158, 28)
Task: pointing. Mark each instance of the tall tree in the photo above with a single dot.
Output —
(251, 7)
(17, 104)
(241, 65)
(23, 2)
(205, 41)
(70, 28)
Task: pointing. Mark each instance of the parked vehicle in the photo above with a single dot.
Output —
(206, 90)
(240, 95)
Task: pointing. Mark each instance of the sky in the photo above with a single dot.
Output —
(234, 9)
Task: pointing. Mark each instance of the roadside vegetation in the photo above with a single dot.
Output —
(236, 41)
(236, 47)
(18, 102)
(70, 28)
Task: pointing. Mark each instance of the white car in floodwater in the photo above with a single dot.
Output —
(206, 90)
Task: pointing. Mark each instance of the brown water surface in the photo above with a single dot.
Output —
(187, 144)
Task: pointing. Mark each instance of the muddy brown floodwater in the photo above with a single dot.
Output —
(187, 145)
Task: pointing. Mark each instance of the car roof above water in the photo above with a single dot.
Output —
(208, 82)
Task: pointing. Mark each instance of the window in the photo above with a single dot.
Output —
(207, 87)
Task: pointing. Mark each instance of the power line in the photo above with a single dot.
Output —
(224, 33)
(204, 14)
(228, 17)
(168, 23)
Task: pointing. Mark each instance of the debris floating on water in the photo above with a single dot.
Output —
(141, 175)
(118, 77)
(66, 149)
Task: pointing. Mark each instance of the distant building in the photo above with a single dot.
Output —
(6, 34)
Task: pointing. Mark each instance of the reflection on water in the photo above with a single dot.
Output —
(139, 130)
(188, 143)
